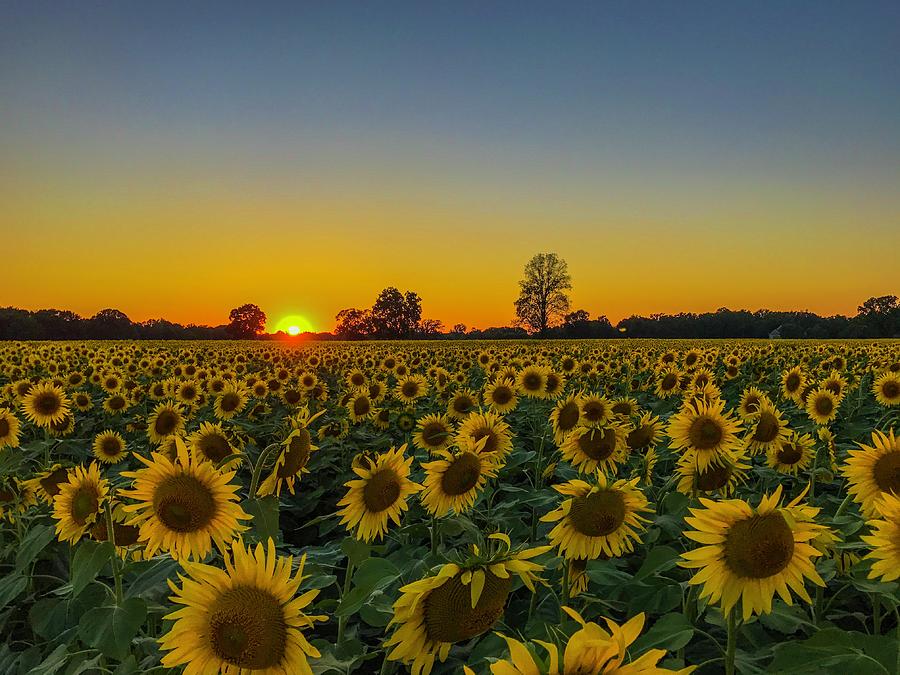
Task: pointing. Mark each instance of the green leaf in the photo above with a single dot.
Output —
(659, 559)
(52, 663)
(11, 586)
(373, 575)
(34, 542)
(265, 517)
(355, 550)
(111, 628)
(90, 557)
(785, 619)
(151, 576)
(830, 650)
(670, 632)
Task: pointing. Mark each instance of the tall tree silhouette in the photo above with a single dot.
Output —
(542, 293)
(246, 321)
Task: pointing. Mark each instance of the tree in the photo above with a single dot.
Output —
(353, 324)
(880, 316)
(431, 327)
(246, 321)
(111, 324)
(542, 293)
(395, 315)
(458, 329)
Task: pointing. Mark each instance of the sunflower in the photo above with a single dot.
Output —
(246, 618)
(45, 404)
(598, 519)
(125, 536)
(211, 443)
(490, 426)
(116, 403)
(501, 396)
(9, 429)
(626, 407)
(704, 432)
(46, 484)
(360, 408)
(532, 381)
(767, 429)
(165, 420)
(792, 383)
(459, 602)
(594, 410)
(82, 401)
(885, 539)
(791, 455)
(887, 389)
(590, 448)
(188, 392)
(411, 388)
(15, 498)
(297, 449)
(183, 505)
(590, 650)
(645, 434)
(434, 433)
(751, 400)
(822, 406)
(79, 502)
(462, 404)
(109, 447)
(720, 478)
(668, 383)
(231, 401)
(874, 470)
(378, 495)
(565, 417)
(750, 554)
(454, 481)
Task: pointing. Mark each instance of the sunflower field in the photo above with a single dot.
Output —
(539, 507)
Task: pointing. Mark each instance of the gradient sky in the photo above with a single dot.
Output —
(179, 159)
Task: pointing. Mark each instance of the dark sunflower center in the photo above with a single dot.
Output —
(410, 389)
(622, 408)
(886, 472)
(85, 503)
(47, 403)
(462, 474)
(382, 490)
(166, 422)
(247, 628)
(110, 446)
(230, 402)
(767, 428)
(189, 393)
(82, 400)
(183, 503)
(890, 390)
(126, 535)
(752, 404)
(640, 437)
(502, 395)
(594, 411)
(51, 482)
(116, 402)
(669, 381)
(760, 546)
(297, 454)
(568, 416)
(4, 427)
(705, 433)
(292, 396)
(462, 404)
(449, 615)
(490, 445)
(789, 453)
(792, 383)
(598, 443)
(824, 405)
(358, 380)
(361, 406)
(715, 477)
(215, 447)
(532, 382)
(434, 433)
(597, 514)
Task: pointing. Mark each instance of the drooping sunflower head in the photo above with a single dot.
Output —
(433, 433)
(246, 618)
(297, 449)
(626, 407)
(874, 470)
(461, 601)
(645, 435)
(378, 495)
(79, 502)
(599, 518)
(750, 554)
(184, 505)
(719, 478)
(109, 447)
(45, 404)
(454, 481)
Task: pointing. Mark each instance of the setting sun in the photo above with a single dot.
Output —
(293, 330)
(292, 324)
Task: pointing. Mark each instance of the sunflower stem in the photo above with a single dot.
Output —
(732, 642)
(114, 556)
(876, 614)
(564, 601)
(257, 470)
(843, 506)
(434, 537)
(342, 620)
(817, 605)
